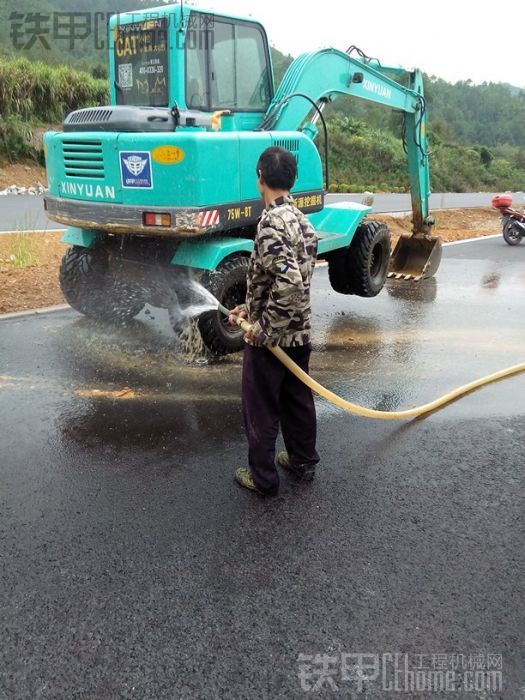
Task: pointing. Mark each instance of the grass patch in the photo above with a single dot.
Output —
(21, 252)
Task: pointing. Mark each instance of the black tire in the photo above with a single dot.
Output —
(95, 288)
(362, 267)
(227, 283)
(512, 233)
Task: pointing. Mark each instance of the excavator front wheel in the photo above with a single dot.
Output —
(361, 268)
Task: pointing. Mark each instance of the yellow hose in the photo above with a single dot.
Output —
(384, 415)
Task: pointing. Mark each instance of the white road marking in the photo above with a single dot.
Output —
(476, 238)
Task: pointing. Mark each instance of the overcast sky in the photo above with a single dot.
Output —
(454, 40)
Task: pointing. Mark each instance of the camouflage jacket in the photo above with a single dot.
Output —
(279, 275)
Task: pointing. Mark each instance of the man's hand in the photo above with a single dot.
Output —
(256, 336)
(235, 314)
(257, 340)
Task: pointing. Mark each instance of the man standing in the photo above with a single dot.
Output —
(278, 306)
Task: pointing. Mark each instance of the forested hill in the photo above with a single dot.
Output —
(477, 132)
(491, 114)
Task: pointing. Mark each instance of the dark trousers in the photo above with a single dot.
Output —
(271, 394)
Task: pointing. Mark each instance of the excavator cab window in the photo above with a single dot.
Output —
(230, 69)
(141, 63)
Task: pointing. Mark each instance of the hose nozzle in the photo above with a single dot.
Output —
(241, 322)
(223, 309)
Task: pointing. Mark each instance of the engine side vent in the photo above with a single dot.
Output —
(120, 118)
(90, 116)
(291, 145)
(83, 158)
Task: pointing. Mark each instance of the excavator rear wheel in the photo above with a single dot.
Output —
(94, 285)
(361, 268)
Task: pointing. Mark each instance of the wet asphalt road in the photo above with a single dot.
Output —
(133, 566)
(26, 212)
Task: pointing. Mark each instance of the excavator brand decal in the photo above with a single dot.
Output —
(135, 169)
(88, 191)
(246, 212)
(377, 89)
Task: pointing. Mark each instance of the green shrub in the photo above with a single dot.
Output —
(38, 91)
(33, 93)
(15, 139)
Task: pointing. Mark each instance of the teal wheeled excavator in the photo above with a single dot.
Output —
(159, 185)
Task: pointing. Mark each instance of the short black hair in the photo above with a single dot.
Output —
(277, 167)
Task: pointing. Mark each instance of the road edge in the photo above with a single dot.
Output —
(34, 312)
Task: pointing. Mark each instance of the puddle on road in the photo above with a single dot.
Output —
(400, 349)
(127, 394)
(371, 361)
(348, 335)
(107, 394)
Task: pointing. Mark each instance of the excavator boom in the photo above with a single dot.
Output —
(318, 77)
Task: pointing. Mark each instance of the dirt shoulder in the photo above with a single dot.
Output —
(451, 225)
(29, 262)
(21, 175)
(29, 271)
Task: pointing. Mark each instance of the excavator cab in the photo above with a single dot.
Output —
(201, 62)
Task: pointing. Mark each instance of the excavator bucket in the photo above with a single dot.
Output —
(415, 257)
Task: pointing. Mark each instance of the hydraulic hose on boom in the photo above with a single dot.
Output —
(321, 76)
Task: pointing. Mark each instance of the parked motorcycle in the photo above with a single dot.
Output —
(512, 220)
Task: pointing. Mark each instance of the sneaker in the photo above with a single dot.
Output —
(304, 472)
(243, 477)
